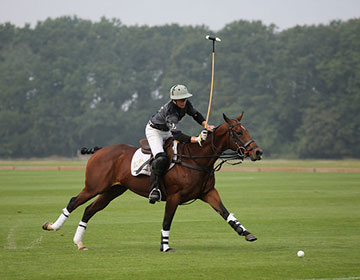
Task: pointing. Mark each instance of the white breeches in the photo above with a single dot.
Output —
(156, 139)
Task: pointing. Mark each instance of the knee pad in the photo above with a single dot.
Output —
(160, 164)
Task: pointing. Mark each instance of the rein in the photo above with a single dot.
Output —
(240, 154)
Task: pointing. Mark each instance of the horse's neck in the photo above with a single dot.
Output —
(203, 155)
(208, 154)
(219, 140)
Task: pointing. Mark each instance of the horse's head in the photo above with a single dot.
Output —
(240, 139)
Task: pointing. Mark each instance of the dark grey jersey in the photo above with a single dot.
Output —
(169, 116)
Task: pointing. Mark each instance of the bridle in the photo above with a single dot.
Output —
(239, 155)
(242, 148)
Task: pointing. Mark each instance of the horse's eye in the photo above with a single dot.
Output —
(239, 133)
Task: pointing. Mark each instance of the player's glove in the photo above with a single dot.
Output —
(202, 137)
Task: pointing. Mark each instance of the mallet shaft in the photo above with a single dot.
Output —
(211, 88)
(211, 38)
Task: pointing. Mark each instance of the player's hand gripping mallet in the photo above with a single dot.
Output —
(213, 39)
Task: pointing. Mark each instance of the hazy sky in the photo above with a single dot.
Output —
(213, 13)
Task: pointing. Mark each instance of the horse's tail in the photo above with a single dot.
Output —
(88, 151)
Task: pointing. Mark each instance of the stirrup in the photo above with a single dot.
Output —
(154, 196)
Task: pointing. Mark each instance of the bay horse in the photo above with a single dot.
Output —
(108, 175)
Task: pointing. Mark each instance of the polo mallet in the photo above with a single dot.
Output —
(213, 39)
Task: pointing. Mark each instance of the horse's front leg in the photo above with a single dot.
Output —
(213, 198)
(172, 203)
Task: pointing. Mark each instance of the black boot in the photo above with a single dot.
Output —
(158, 169)
(155, 194)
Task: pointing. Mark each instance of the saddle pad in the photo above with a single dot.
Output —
(139, 158)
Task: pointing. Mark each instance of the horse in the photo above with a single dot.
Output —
(108, 176)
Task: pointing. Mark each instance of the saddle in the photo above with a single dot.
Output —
(168, 144)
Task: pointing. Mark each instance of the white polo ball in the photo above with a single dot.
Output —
(300, 254)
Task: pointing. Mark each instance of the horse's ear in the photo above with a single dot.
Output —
(226, 119)
(240, 117)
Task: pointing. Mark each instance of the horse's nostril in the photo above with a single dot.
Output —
(259, 152)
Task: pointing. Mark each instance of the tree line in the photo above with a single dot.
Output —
(68, 83)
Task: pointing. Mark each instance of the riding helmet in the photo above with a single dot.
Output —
(179, 92)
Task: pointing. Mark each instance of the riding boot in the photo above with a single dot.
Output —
(155, 194)
(158, 169)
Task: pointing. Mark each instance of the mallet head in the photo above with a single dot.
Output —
(213, 38)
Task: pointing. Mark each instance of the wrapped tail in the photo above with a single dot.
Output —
(88, 151)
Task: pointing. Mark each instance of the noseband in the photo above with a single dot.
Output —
(242, 149)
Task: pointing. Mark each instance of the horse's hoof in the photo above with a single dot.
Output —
(170, 250)
(250, 237)
(81, 247)
(167, 250)
(47, 226)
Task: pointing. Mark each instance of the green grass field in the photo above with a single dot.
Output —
(318, 213)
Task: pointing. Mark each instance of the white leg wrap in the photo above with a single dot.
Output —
(61, 220)
(79, 233)
(232, 218)
(165, 240)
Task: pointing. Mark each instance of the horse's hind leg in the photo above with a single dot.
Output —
(100, 203)
(213, 198)
(74, 202)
